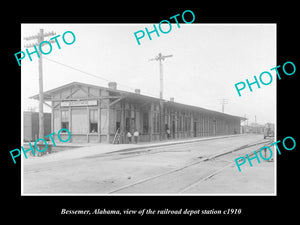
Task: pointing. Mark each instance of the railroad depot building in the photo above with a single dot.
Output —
(105, 114)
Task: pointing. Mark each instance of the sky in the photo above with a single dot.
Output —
(208, 60)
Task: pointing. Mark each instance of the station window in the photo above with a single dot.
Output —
(145, 123)
(179, 122)
(65, 119)
(94, 121)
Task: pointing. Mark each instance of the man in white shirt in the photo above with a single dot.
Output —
(129, 135)
(136, 136)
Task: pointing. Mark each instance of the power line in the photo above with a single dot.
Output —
(92, 75)
(73, 68)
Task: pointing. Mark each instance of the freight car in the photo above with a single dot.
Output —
(31, 125)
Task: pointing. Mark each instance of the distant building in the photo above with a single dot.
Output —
(100, 114)
(253, 128)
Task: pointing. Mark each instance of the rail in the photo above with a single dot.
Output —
(220, 154)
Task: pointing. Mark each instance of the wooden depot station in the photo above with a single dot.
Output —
(100, 114)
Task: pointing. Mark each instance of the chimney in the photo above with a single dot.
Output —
(112, 85)
(137, 91)
(171, 99)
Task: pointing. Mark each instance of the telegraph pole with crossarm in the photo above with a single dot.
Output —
(40, 38)
(160, 58)
(223, 101)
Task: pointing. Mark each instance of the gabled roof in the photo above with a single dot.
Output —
(73, 84)
(132, 95)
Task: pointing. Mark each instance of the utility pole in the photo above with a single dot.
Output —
(40, 38)
(160, 58)
(223, 101)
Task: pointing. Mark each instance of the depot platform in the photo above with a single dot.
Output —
(69, 151)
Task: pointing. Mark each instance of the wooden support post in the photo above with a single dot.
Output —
(88, 124)
(108, 123)
(209, 126)
(134, 115)
(70, 121)
(99, 121)
(191, 124)
(122, 125)
(150, 127)
(52, 118)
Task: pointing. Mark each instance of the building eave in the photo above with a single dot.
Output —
(132, 95)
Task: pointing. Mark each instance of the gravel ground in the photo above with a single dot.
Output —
(257, 180)
(91, 173)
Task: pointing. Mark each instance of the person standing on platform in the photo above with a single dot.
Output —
(168, 131)
(129, 135)
(136, 136)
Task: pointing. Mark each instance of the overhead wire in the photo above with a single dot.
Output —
(92, 75)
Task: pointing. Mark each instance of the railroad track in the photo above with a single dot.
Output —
(210, 175)
(122, 154)
(226, 159)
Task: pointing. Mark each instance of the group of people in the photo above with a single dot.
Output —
(135, 134)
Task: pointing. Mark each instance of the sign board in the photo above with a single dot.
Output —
(78, 103)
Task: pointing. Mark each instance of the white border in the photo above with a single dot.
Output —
(213, 194)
